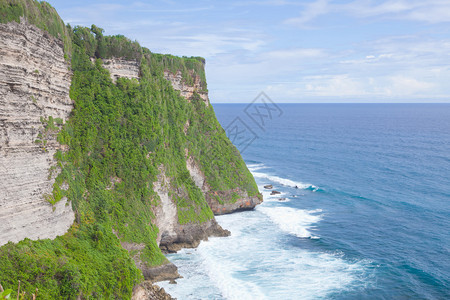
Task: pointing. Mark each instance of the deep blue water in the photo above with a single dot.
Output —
(369, 219)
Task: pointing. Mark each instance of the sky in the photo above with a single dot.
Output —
(294, 51)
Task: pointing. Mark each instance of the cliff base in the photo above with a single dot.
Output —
(190, 236)
(148, 291)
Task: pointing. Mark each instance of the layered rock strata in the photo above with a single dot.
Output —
(119, 67)
(187, 91)
(227, 205)
(174, 236)
(34, 85)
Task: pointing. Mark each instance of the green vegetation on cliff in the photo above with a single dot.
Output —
(119, 136)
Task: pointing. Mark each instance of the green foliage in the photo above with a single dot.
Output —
(188, 66)
(5, 294)
(87, 261)
(59, 121)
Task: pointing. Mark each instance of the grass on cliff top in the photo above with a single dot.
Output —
(101, 46)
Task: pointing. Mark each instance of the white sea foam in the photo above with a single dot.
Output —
(271, 198)
(222, 273)
(298, 222)
(253, 264)
(284, 181)
(254, 167)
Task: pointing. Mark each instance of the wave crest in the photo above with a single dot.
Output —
(285, 181)
(298, 222)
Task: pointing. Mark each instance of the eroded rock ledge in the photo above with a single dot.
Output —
(187, 91)
(119, 67)
(174, 236)
(227, 205)
(149, 291)
(190, 236)
(34, 83)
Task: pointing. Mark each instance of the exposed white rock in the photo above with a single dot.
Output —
(197, 174)
(118, 67)
(187, 91)
(166, 211)
(243, 202)
(34, 83)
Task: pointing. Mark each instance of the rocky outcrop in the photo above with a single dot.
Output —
(231, 201)
(187, 91)
(196, 174)
(174, 236)
(149, 291)
(190, 236)
(164, 272)
(166, 211)
(221, 202)
(34, 85)
(167, 271)
(119, 67)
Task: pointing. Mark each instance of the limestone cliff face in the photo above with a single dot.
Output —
(187, 91)
(34, 83)
(166, 211)
(148, 291)
(243, 201)
(172, 235)
(118, 67)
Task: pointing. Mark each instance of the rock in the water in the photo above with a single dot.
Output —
(268, 186)
(282, 199)
(172, 281)
(275, 192)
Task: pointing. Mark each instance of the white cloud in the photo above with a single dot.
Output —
(431, 11)
(294, 54)
(248, 51)
(310, 12)
(406, 86)
(341, 85)
(351, 89)
(210, 44)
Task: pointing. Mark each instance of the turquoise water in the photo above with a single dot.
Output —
(369, 219)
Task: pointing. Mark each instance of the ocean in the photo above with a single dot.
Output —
(364, 209)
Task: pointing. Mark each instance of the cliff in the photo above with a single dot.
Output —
(110, 155)
(187, 91)
(34, 85)
(121, 68)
